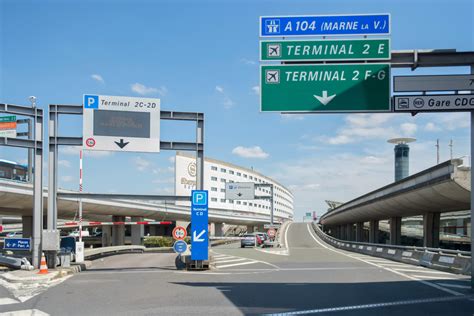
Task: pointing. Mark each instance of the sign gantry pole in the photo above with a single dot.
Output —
(472, 191)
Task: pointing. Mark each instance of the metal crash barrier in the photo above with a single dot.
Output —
(453, 261)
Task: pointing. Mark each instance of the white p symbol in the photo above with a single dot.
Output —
(90, 101)
(199, 198)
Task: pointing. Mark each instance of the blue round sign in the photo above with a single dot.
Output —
(180, 246)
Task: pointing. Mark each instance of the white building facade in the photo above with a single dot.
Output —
(217, 173)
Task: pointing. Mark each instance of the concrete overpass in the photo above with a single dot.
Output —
(442, 188)
(16, 199)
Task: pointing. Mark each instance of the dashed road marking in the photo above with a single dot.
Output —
(236, 264)
(375, 305)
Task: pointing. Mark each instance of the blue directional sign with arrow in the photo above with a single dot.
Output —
(17, 244)
(199, 225)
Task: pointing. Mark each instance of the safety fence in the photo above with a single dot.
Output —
(448, 260)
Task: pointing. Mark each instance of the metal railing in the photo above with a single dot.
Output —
(440, 251)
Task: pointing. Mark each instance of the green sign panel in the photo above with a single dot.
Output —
(325, 88)
(7, 119)
(325, 50)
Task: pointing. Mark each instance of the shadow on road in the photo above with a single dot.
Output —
(376, 298)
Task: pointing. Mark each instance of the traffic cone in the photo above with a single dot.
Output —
(43, 266)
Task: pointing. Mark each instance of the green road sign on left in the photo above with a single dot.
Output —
(325, 88)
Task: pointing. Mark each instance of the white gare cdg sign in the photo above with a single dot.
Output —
(116, 123)
(240, 191)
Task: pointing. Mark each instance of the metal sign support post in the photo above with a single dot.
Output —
(28, 134)
(271, 197)
(55, 140)
(472, 191)
(35, 144)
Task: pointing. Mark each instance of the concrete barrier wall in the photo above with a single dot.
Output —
(440, 259)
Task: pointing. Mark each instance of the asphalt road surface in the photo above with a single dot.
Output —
(308, 277)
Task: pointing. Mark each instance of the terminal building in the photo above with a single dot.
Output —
(217, 173)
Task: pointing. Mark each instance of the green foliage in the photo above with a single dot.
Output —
(161, 241)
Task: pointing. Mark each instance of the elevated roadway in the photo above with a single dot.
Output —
(16, 199)
(443, 188)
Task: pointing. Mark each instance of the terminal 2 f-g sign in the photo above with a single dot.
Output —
(116, 123)
(329, 88)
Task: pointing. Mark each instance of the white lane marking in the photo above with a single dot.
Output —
(264, 262)
(286, 237)
(422, 271)
(375, 305)
(454, 285)
(432, 277)
(220, 256)
(388, 269)
(25, 312)
(230, 260)
(237, 264)
(7, 301)
(224, 258)
(275, 252)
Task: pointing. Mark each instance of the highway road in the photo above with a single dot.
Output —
(308, 277)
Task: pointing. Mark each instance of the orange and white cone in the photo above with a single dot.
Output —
(43, 266)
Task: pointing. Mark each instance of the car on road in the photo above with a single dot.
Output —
(247, 240)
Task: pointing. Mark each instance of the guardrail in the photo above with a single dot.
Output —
(109, 251)
(454, 261)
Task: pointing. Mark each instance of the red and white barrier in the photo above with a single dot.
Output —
(74, 224)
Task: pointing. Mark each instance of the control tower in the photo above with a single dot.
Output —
(402, 156)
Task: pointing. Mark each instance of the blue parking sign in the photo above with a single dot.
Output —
(199, 225)
(91, 101)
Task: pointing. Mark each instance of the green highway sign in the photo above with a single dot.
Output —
(325, 88)
(325, 50)
(7, 119)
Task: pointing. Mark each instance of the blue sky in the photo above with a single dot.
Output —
(203, 56)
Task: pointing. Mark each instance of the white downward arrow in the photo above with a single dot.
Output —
(198, 237)
(324, 99)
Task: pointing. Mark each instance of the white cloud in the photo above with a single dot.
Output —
(141, 164)
(256, 90)
(250, 152)
(452, 121)
(219, 89)
(67, 178)
(228, 103)
(74, 150)
(295, 117)
(144, 90)
(248, 61)
(169, 180)
(360, 127)
(408, 129)
(172, 159)
(98, 78)
(431, 127)
(64, 163)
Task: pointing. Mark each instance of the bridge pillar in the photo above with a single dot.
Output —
(118, 231)
(138, 231)
(395, 230)
(343, 232)
(349, 232)
(431, 230)
(27, 223)
(360, 231)
(374, 231)
(106, 236)
(250, 228)
(218, 229)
